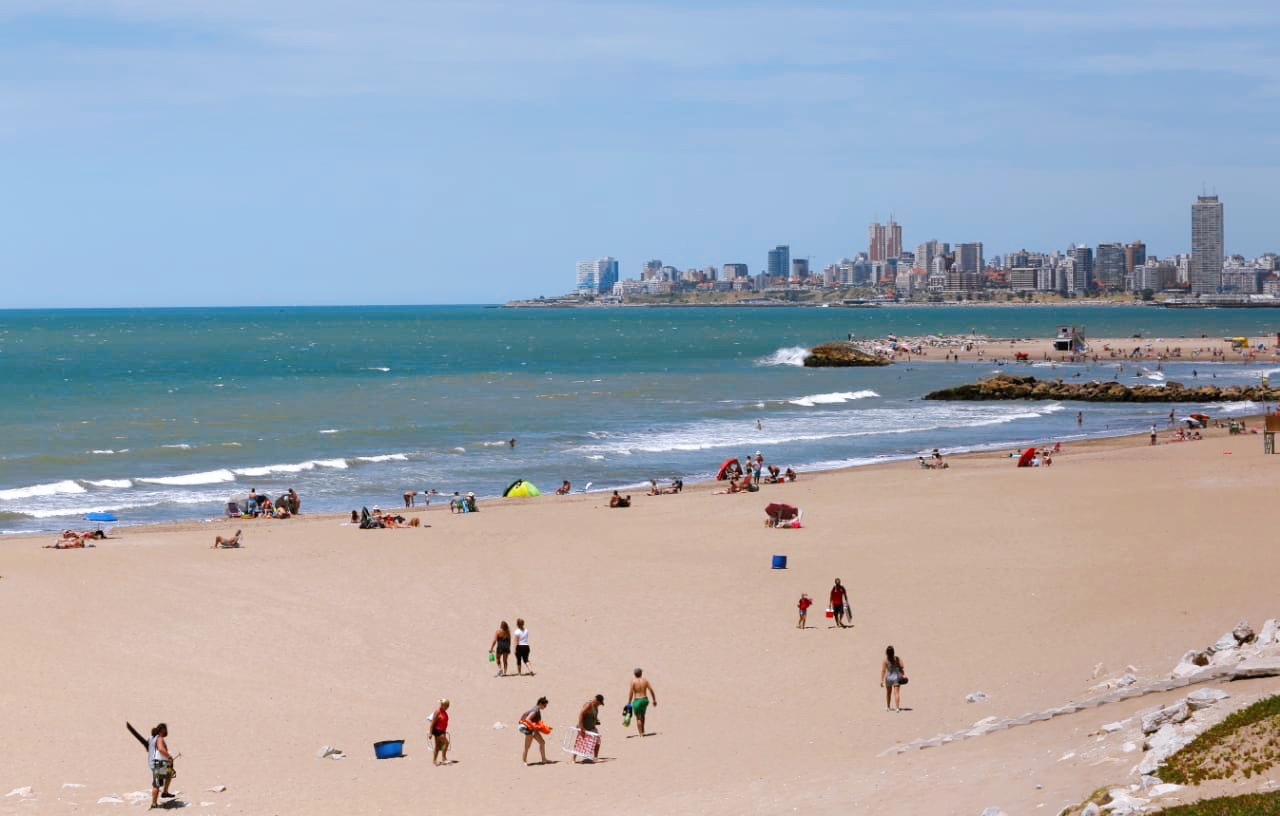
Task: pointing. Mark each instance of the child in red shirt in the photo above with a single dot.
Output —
(803, 606)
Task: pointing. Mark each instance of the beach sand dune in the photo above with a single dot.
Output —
(985, 577)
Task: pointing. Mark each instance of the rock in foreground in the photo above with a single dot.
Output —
(1010, 387)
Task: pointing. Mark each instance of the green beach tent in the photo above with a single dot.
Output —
(521, 488)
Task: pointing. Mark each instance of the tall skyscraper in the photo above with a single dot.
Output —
(1135, 255)
(597, 277)
(1205, 269)
(884, 241)
(1108, 270)
(969, 257)
(779, 261)
(1083, 270)
(800, 269)
(733, 271)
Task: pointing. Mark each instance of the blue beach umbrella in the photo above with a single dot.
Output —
(100, 517)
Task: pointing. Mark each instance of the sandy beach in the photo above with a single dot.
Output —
(1120, 349)
(1013, 582)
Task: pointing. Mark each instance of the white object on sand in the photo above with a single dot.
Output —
(217, 789)
(111, 800)
(24, 792)
(975, 697)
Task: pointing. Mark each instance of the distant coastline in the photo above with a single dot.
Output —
(566, 303)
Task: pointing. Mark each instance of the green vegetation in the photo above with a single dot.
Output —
(1251, 804)
(1245, 743)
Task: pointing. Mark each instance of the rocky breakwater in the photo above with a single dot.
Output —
(842, 354)
(1011, 387)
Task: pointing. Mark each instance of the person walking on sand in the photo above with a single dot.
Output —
(892, 675)
(440, 733)
(803, 606)
(161, 763)
(1153, 433)
(589, 723)
(522, 648)
(641, 695)
(501, 647)
(839, 603)
(533, 728)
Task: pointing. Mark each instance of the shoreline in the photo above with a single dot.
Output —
(440, 504)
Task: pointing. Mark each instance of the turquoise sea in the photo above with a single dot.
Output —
(162, 414)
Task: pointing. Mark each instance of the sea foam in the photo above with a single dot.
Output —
(207, 477)
(834, 398)
(786, 356)
(109, 482)
(50, 489)
(293, 467)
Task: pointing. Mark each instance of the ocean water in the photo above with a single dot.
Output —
(163, 414)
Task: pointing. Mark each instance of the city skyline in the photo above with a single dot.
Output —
(448, 152)
(937, 271)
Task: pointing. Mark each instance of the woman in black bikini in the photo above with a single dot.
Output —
(501, 646)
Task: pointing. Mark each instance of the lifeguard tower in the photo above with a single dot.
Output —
(1269, 428)
(1069, 339)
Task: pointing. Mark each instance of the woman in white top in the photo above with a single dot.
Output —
(522, 648)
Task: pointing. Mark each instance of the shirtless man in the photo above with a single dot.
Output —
(641, 695)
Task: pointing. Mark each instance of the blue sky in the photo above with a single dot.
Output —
(159, 152)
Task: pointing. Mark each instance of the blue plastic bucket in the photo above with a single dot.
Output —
(779, 562)
(388, 749)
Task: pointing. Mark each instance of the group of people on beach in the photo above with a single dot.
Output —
(893, 673)
(748, 478)
(76, 539)
(261, 506)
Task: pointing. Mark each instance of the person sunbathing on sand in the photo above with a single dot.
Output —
(618, 501)
(563, 489)
(226, 543)
(72, 542)
(734, 487)
(653, 488)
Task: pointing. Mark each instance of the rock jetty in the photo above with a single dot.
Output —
(842, 353)
(1011, 387)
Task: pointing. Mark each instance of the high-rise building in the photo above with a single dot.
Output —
(733, 271)
(969, 258)
(1083, 270)
(884, 241)
(800, 269)
(926, 252)
(1108, 268)
(1135, 255)
(597, 277)
(652, 270)
(779, 261)
(1205, 269)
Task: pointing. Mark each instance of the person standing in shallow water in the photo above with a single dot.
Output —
(892, 673)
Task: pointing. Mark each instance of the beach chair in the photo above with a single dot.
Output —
(580, 743)
(233, 510)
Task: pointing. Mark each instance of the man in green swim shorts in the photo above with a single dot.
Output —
(641, 695)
